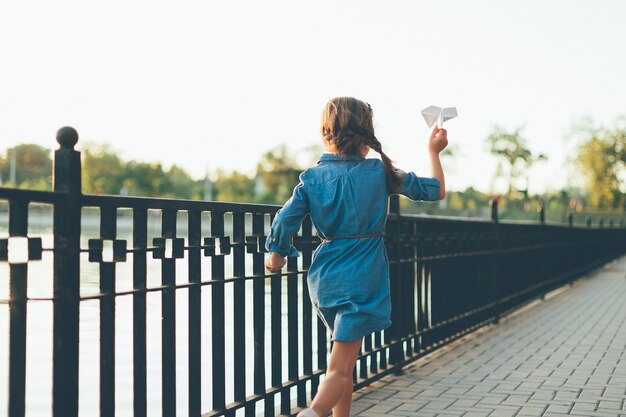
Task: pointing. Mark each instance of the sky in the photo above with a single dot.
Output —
(214, 84)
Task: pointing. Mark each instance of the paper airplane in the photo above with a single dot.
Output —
(437, 115)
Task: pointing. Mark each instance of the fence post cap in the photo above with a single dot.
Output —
(67, 137)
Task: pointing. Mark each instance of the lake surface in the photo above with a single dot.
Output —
(39, 324)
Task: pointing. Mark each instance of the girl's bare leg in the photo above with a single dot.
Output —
(342, 408)
(334, 388)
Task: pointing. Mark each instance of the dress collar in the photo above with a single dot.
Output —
(327, 156)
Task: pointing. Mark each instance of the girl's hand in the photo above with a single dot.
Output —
(275, 262)
(438, 140)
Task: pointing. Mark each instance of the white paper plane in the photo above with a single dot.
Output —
(437, 115)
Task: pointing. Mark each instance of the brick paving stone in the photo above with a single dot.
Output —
(382, 408)
(558, 357)
(492, 400)
(554, 408)
(504, 412)
(583, 408)
(610, 405)
(411, 406)
(531, 411)
(543, 395)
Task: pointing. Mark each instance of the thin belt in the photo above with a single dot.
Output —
(371, 235)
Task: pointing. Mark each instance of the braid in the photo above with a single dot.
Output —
(393, 180)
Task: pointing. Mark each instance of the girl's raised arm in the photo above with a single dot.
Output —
(437, 143)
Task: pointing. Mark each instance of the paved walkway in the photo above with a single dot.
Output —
(565, 356)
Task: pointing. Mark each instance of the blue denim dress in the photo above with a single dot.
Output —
(346, 195)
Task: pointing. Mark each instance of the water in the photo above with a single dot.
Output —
(39, 323)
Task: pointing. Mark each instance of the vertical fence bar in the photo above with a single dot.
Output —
(367, 346)
(408, 254)
(217, 317)
(362, 361)
(108, 226)
(434, 285)
(292, 331)
(258, 309)
(276, 337)
(426, 277)
(239, 305)
(382, 355)
(168, 323)
(66, 229)
(18, 226)
(307, 316)
(322, 352)
(495, 284)
(419, 283)
(140, 242)
(195, 317)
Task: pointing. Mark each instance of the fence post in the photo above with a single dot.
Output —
(588, 221)
(570, 219)
(393, 230)
(495, 284)
(67, 211)
(542, 212)
(494, 209)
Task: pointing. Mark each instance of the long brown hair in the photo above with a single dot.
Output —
(348, 124)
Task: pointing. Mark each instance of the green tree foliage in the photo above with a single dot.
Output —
(602, 158)
(105, 173)
(33, 167)
(4, 167)
(279, 173)
(511, 149)
(101, 171)
(234, 187)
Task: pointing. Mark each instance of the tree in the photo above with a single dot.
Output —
(33, 167)
(234, 187)
(103, 170)
(601, 155)
(177, 183)
(105, 173)
(279, 173)
(511, 149)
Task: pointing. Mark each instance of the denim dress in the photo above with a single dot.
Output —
(346, 196)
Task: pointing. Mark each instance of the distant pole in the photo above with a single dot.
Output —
(13, 169)
(208, 186)
(588, 221)
(494, 208)
(570, 219)
(542, 212)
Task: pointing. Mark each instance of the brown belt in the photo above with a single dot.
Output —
(328, 239)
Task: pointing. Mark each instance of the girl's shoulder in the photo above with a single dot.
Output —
(322, 173)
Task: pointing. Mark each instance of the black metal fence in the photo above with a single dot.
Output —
(448, 277)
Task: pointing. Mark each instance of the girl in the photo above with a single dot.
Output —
(346, 196)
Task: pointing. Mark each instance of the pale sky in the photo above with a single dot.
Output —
(213, 84)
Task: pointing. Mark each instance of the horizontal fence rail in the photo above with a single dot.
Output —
(180, 296)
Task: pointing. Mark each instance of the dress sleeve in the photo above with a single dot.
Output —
(287, 222)
(419, 188)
